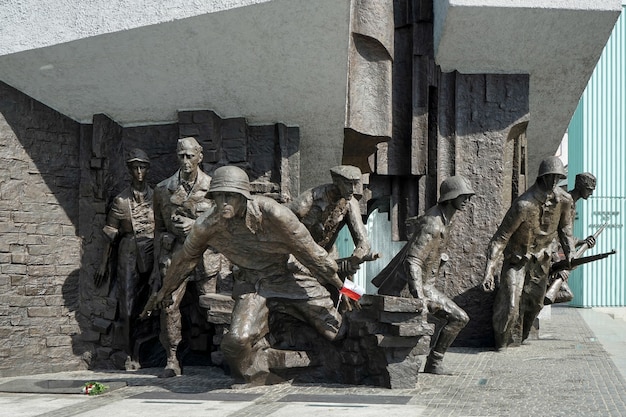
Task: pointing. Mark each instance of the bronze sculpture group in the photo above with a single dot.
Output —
(283, 259)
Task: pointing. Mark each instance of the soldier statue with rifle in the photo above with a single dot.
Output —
(523, 244)
(325, 209)
(558, 289)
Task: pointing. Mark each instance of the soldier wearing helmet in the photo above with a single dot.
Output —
(258, 235)
(130, 222)
(418, 265)
(325, 209)
(178, 201)
(523, 243)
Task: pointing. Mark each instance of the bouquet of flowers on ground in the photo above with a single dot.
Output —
(94, 388)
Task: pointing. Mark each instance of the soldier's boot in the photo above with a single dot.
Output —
(172, 368)
(434, 364)
(447, 335)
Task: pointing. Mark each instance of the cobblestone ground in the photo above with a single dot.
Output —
(564, 373)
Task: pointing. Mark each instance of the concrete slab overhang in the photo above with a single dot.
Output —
(556, 42)
(140, 61)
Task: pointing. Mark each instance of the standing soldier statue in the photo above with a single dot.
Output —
(418, 265)
(131, 222)
(524, 245)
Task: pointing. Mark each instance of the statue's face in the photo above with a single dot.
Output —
(229, 205)
(461, 201)
(347, 187)
(586, 192)
(189, 159)
(549, 181)
(138, 170)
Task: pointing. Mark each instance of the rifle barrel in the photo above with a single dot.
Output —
(562, 265)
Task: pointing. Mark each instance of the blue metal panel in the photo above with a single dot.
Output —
(596, 144)
(379, 232)
(601, 283)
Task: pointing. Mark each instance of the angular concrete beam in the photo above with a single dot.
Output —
(557, 42)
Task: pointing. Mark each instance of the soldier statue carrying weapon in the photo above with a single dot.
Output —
(558, 290)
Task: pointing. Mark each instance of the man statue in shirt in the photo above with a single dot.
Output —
(131, 221)
(178, 201)
(523, 243)
(325, 209)
(558, 289)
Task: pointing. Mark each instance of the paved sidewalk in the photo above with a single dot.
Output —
(576, 368)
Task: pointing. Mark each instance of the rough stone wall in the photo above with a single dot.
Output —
(487, 108)
(40, 250)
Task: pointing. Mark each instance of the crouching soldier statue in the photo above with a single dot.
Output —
(418, 263)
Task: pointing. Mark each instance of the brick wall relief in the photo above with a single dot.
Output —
(40, 249)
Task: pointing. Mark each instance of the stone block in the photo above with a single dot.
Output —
(219, 317)
(90, 336)
(185, 117)
(396, 341)
(44, 311)
(412, 329)
(217, 301)
(403, 375)
(42, 270)
(49, 229)
(18, 321)
(13, 300)
(101, 325)
(286, 359)
(235, 149)
(189, 130)
(36, 250)
(396, 318)
(58, 341)
(392, 304)
(103, 352)
(203, 116)
(218, 307)
(31, 291)
(234, 128)
(19, 258)
(69, 329)
(12, 269)
(17, 280)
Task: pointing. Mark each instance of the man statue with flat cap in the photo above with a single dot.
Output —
(325, 209)
(558, 288)
(417, 265)
(130, 221)
(523, 244)
(259, 236)
(178, 202)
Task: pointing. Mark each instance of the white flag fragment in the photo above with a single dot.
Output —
(352, 290)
